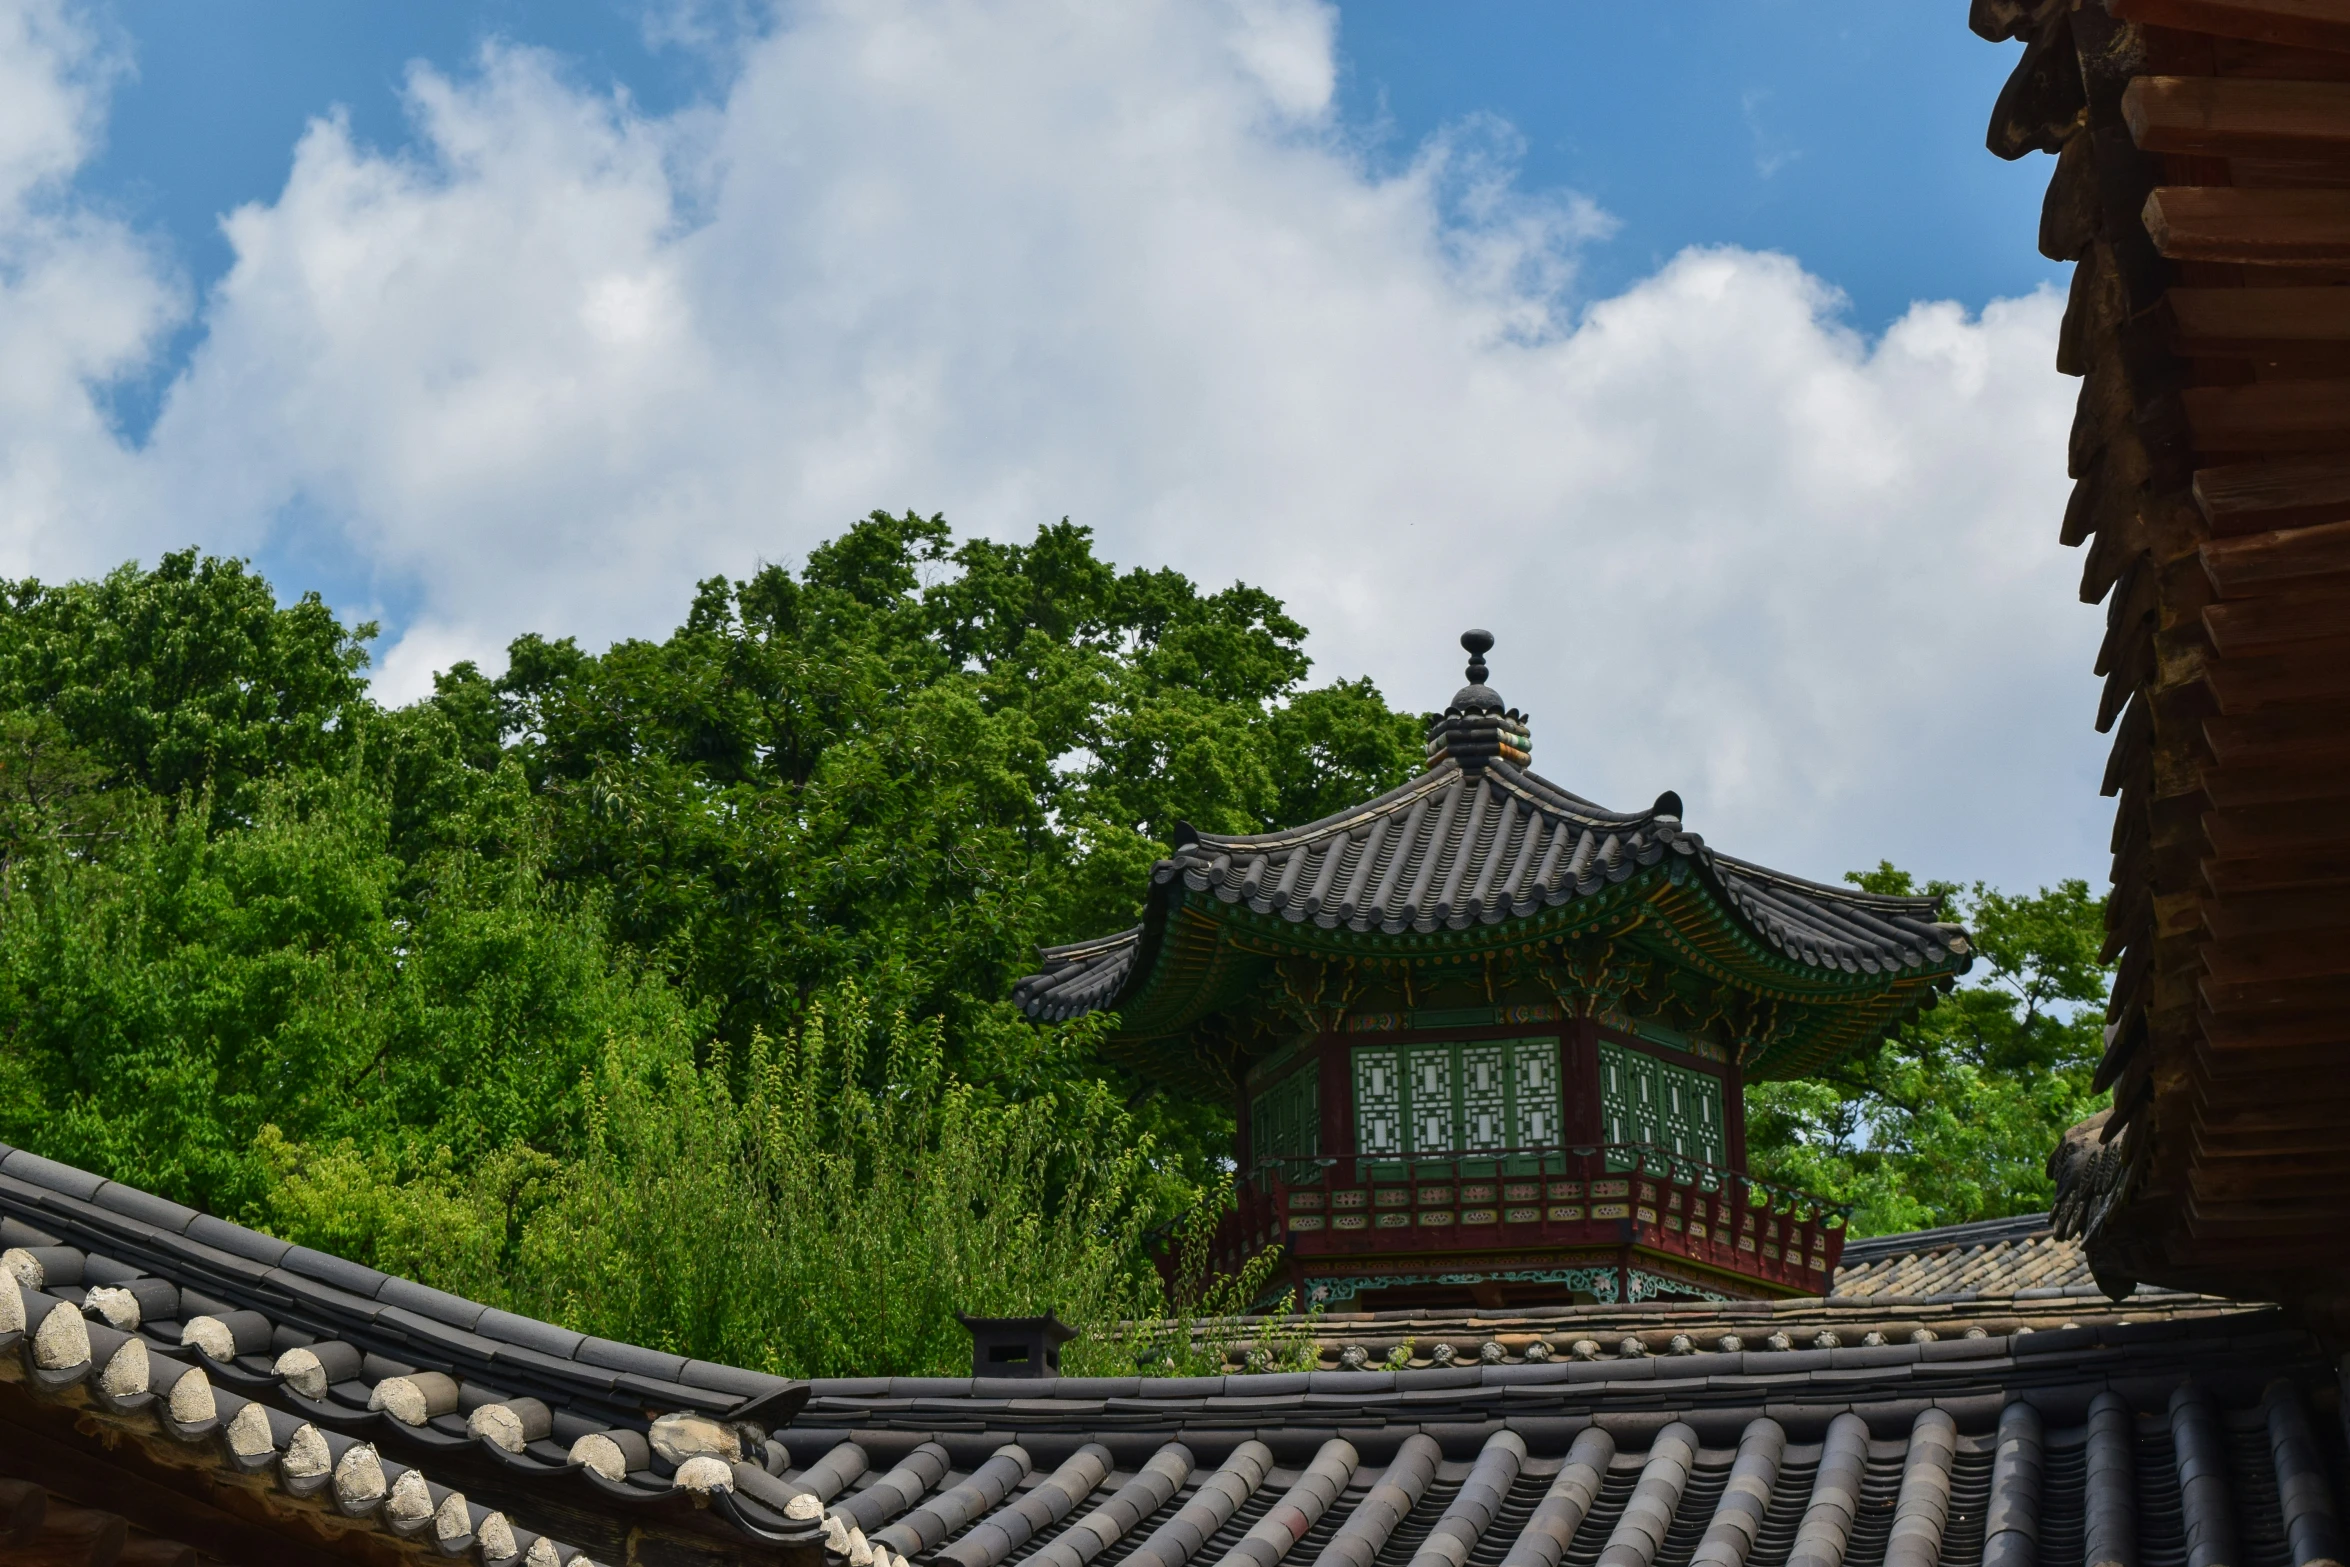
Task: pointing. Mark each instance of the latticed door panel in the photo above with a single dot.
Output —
(1712, 1137)
(1485, 1120)
(1379, 1101)
(1615, 1123)
(1429, 1073)
(1647, 1097)
(1491, 1096)
(1629, 1097)
(1692, 1113)
(1535, 1074)
(1644, 1100)
(1679, 1112)
(1285, 1121)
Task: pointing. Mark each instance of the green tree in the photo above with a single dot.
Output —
(914, 762)
(188, 679)
(161, 1005)
(908, 764)
(828, 1217)
(1952, 1119)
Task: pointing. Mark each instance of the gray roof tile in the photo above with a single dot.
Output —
(236, 1240)
(437, 1305)
(629, 1358)
(1455, 848)
(2236, 1356)
(328, 1269)
(48, 1173)
(170, 1217)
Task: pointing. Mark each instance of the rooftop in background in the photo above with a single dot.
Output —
(1487, 1040)
(2022, 1257)
(1478, 853)
(1998, 1276)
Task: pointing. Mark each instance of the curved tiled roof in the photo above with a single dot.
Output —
(1460, 847)
(1935, 1452)
(294, 1360)
(405, 1426)
(1995, 1257)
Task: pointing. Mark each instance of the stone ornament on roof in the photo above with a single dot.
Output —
(1476, 727)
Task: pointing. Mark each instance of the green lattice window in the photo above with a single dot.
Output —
(1644, 1100)
(1379, 1101)
(1491, 1096)
(1285, 1121)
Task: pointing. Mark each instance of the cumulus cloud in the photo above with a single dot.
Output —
(556, 359)
(83, 300)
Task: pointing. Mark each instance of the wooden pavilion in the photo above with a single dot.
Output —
(1486, 1040)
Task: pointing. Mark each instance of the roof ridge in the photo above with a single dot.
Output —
(1878, 1248)
(1859, 897)
(357, 1302)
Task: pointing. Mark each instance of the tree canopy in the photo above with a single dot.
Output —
(1953, 1118)
(355, 972)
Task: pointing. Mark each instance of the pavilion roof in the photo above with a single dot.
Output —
(1455, 850)
(1481, 852)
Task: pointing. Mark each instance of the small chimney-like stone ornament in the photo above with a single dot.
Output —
(1477, 728)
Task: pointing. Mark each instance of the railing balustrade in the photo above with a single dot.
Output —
(1487, 1200)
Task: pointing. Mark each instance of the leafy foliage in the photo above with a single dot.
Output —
(163, 1003)
(1952, 1119)
(185, 680)
(661, 990)
(490, 987)
(913, 763)
(811, 1225)
(1213, 1315)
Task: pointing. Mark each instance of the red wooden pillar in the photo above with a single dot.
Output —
(1579, 1083)
(1337, 1098)
(1734, 1117)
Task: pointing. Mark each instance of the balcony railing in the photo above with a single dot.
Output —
(1389, 1205)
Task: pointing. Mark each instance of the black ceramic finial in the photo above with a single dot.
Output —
(1479, 643)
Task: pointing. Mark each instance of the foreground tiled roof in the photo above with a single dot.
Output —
(397, 1409)
(1944, 1453)
(1455, 848)
(366, 1419)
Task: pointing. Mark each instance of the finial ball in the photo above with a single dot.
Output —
(1477, 642)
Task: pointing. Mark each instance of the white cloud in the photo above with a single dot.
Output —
(83, 301)
(1121, 263)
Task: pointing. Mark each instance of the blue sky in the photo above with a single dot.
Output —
(1849, 138)
(1700, 351)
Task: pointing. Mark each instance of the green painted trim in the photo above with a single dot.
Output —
(1328, 1290)
(1456, 1017)
(1840, 1012)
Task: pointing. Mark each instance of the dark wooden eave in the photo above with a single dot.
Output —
(2202, 186)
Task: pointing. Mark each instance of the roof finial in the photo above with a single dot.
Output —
(1479, 643)
(1478, 726)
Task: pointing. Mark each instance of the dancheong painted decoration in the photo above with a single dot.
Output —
(1487, 1041)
